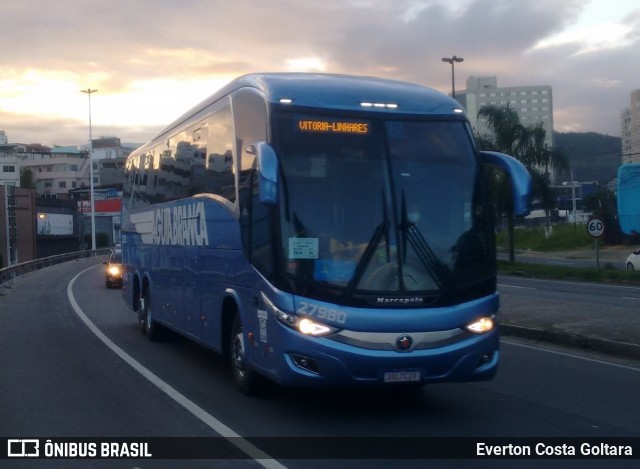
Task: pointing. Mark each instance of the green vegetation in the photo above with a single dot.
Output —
(102, 240)
(562, 238)
(592, 156)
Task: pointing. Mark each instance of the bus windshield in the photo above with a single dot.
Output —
(375, 208)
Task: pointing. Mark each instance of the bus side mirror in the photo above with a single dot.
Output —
(520, 179)
(267, 172)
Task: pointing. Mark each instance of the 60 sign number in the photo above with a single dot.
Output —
(595, 227)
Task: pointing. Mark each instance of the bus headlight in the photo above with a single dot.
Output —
(303, 325)
(309, 327)
(481, 325)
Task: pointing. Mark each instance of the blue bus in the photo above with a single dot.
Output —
(319, 230)
(628, 198)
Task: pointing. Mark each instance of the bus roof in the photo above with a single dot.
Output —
(337, 92)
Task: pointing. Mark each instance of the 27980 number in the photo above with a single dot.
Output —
(321, 312)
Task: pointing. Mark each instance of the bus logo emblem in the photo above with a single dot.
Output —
(404, 342)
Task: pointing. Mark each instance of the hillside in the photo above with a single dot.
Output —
(592, 156)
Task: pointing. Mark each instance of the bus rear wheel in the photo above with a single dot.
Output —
(147, 325)
(248, 381)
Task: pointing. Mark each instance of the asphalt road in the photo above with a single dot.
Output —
(60, 377)
(550, 259)
(601, 316)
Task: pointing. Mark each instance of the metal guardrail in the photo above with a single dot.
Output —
(7, 274)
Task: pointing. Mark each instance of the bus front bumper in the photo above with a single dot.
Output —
(326, 361)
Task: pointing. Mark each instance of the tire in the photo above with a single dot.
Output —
(248, 381)
(147, 325)
(630, 266)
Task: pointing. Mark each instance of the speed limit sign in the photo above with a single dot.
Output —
(595, 227)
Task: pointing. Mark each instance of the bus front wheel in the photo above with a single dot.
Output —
(247, 380)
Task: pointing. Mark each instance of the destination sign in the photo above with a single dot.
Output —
(333, 126)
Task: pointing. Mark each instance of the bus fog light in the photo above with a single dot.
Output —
(480, 326)
(306, 363)
(484, 359)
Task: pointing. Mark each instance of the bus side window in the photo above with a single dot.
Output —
(198, 181)
(219, 163)
(250, 115)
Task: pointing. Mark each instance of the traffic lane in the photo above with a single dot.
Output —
(580, 263)
(528, 397)
(607, 312)
(587, 290)
(57, 380)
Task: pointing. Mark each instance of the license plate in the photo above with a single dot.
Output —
(401, 376)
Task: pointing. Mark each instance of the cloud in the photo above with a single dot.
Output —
(159, 57)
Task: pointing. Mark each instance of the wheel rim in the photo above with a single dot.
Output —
(145, 303)
(238, 354)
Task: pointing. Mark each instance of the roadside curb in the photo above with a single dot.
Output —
(610, 347)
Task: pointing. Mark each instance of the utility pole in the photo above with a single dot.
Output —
(452, 61)
(573, 198)
(93, 212)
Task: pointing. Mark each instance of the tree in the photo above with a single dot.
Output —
(527, 144)
(506, 131)
(26, 178)
(505, 127)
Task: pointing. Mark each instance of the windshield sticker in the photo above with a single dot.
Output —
(333, 127)
(303, 248)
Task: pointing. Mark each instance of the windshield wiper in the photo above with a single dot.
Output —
(412, 234)
(381, 230)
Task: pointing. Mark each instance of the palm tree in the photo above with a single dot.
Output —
(527, 144)
(506, 129)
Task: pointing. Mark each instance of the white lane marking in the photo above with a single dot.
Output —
(571, 355)
(502, 285)
(583, 284)
(216, 425)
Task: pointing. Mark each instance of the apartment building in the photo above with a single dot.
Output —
(630, 120)
(109, 156)
(534, 104)
(17, 225)
(57, 171)
(9, 166)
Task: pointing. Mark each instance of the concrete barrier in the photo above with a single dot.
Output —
(7, 274)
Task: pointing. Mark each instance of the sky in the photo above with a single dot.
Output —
(152, 60)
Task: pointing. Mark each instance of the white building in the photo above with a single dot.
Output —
(534, 104)
(55, 171)
(9, 163)
(108, 154)
(630, 120)
(9, 170)
(58, 171)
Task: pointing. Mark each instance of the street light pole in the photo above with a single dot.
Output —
(452, 60)
(93, 213)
